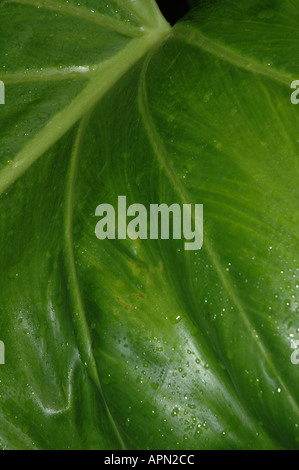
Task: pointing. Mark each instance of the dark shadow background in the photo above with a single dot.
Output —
(173, 10)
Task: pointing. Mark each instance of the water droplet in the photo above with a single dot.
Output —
(175, 411)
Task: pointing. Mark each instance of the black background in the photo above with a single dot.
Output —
(173, 10)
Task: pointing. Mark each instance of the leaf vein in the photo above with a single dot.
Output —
(78, 311)
(106, 76)
(162, 156)
(85, 14)
(198, 39)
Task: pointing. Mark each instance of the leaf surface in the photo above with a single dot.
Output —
(140, 344)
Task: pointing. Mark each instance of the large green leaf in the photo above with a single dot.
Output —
(139, 344)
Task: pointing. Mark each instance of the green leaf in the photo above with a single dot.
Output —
(139, 344)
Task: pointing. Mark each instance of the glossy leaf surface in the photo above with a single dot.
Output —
(140, 344)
